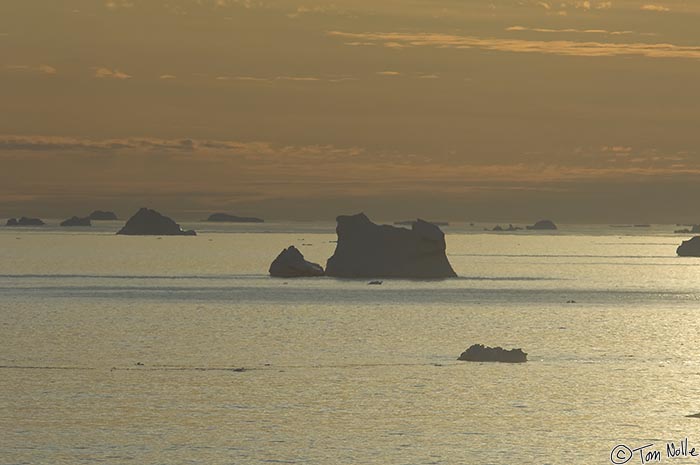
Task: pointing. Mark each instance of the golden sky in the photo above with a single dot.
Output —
(305, 109)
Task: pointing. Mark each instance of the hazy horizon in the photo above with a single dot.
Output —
(577, 111)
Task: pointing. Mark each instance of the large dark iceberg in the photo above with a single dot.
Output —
(481, 353)
(75, 221)
(290, 263)
(689, 248)
(148, 222)
(368, 250)
(226, 218)
(99, 215)
(543, 225)
(24, 221)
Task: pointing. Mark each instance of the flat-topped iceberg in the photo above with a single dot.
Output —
(368, 250)
(226, 218)
(24, 221)
(99, 215)
(481, 353)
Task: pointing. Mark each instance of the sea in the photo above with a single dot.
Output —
(183, 350)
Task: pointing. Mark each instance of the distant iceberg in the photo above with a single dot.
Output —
(148, 222)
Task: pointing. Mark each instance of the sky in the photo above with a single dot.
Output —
(460, 110)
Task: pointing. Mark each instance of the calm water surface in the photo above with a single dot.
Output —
(126, 349)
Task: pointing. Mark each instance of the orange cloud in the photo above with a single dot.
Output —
(569, 30)
(657, 8)
(43, 69)
(203, 173)
(106, 73)
(554, 47)
(272, 163)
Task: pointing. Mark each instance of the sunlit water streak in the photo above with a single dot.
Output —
(182, 350)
